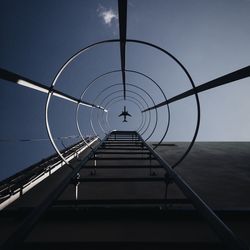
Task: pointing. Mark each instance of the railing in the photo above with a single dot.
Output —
(17, 185)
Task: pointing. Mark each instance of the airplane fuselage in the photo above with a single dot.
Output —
(124, 114)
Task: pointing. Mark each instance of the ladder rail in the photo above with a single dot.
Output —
(220, 228)
(18, 236)
(227, 237)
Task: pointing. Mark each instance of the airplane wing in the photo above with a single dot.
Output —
(120, 115)
(128, 114)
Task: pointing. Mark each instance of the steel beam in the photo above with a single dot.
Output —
(231, 77)
(122, 6)
(26, 82)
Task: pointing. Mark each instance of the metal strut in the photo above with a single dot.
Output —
(122, 6)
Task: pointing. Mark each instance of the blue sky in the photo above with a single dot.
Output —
(211, 38)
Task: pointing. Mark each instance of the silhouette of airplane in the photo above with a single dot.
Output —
(124, 114)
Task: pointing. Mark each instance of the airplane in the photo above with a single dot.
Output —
(124, 114)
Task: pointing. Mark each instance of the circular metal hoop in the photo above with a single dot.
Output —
(129, 91)
(144, 91)
(50, 93)
(130, 99)
(195, 94)
(138, 73)
(133, 98)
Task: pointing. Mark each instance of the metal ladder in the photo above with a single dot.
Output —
(125, 150)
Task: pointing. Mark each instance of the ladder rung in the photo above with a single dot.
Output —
(121, 179)
(125, 148)
(123, 153)
(139, 145)
(123, 141)
(121, 167)
(122, 202)
(122, 158)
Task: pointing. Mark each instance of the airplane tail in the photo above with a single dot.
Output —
(125, 120)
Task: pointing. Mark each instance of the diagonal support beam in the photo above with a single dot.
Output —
(23, 81)
(231, 77)
(122, 6)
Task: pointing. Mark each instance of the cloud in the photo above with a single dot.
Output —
(108, 15)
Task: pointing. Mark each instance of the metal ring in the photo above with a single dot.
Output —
(106, 105)
(133, 85)
(195, 93)
(131, 92)
(62, 68)
(166, 99)
(134, 100)
(142, 74)
(92, 126)
(50, 93)
(113, 101)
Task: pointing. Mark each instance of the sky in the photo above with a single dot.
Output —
(210, 38)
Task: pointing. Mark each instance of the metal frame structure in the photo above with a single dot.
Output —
(16, 186)
(126, 139)
(126, 71)
(133, 100)
(133, 92)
